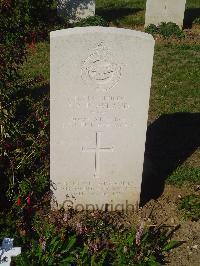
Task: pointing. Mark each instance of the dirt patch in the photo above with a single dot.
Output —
(165, 211)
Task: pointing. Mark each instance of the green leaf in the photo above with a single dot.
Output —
(69, 259)
(69, 244)
(170, 245)
(151, 261)
(55, 244)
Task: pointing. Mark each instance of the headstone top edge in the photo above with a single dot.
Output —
(94, 29)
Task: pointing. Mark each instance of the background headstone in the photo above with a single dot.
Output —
(158, 11)
(76, 9)
(7, 251)
(100, 87)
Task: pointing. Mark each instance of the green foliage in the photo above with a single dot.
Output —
(49, 248)
(38, 11)
(40, 17)
(20, 22)
(92, 21)
(12, 38)
(122, 13)
(170, 29)
(12, 55)
(23, 134)
(152, 29)
(83, 244)
(27, 147)
(166, 30)
(147, 250)
(191, 206)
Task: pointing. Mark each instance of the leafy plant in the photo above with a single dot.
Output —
(56, 244)
(12, 38)
(147, 251)
(152, 29)
(92, 21)
(170, 29)
(166, 30)
(191, 206)
(49, 248)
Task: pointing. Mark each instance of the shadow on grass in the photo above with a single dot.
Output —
(116, 13)
(190, 15)
(171, 139)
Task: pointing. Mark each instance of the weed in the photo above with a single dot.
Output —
(152, 29)
(92, 21)
(191, 206)
(166, 30)
(105, 244)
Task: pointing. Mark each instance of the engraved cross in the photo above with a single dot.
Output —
(97, 149)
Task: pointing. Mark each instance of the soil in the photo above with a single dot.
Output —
(165, 211)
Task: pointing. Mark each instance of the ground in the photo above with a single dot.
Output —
(164, 210)
(172, 156)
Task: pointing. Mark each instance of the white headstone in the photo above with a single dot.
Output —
(76, 9)
(100, 87)
(158, 11)
(7, 251)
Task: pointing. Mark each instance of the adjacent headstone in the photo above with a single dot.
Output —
(158, 11)
(100, 87)
(75, 10)
(7, 251)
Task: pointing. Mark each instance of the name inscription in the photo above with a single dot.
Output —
(99, 111)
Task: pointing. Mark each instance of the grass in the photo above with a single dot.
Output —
(129, 13)
(184, 175)
(174, 91)
(122, 13)
(192, 4)
(37, 62)
(176, 79)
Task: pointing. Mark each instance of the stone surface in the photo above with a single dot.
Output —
(7, 251)
(76, 9)
(100, 87)
(158, 11)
